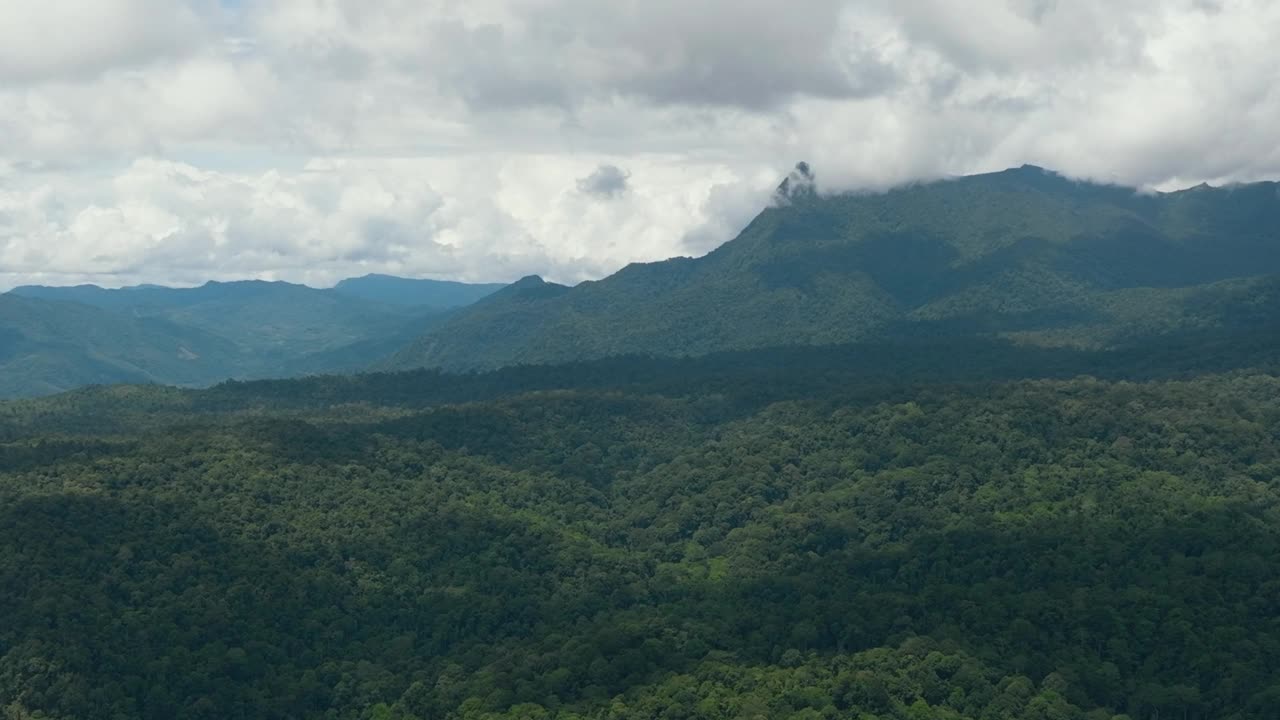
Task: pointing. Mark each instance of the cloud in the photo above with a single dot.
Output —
(606, 181)
(159, 219)
(80, 39)
(558, 53)
(178, 140)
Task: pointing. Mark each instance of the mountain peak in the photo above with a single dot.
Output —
(414, 292)
(799, 183)
(1026, 176)
(1023, 172)
(252, 282)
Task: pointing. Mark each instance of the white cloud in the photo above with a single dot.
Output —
(508, 216)
(58, 40)
(171, 141)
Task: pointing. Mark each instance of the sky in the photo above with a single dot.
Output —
(179, 141)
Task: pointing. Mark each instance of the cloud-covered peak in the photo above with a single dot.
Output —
(799, 183)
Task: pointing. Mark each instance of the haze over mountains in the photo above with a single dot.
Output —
(56, 338)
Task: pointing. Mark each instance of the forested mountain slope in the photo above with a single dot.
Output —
(202, 335)
(968, 531)
(49, 346)
(1022, 253)
(437, 294)
(267, 318)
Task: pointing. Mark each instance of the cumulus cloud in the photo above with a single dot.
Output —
(183, 140)
(159, 219)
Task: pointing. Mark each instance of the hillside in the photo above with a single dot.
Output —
(963, 530)
(438, 294)
(1021, 253)
(197, 336)
(50, 346)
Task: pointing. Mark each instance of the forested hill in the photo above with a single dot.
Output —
(49, 346)
(415, 293)
(967, 531)
(1024, 254)
(743, 379)
(57, 338)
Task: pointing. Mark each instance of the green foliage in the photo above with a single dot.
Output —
(740, 536)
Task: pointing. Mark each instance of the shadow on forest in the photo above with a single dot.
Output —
(584, 403)
(1137, 613)
(774, 373)
(152, 600)
(149, 597)
(742, 382)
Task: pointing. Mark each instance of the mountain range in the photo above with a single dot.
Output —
(1025, 254)
(56, 338)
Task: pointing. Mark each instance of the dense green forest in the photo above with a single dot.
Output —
(978, 530)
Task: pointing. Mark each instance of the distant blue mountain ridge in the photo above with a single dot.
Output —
(57, 338)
